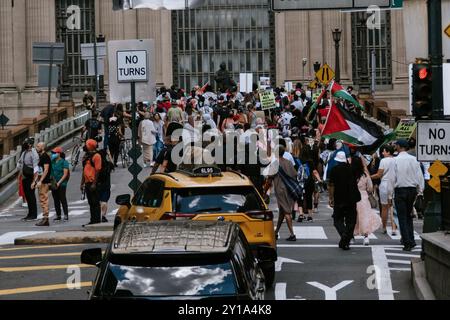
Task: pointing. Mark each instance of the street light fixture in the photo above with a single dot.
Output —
(317, 66)
(337, 38)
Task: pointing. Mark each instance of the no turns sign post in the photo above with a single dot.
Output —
(132, 66)
(433, 141)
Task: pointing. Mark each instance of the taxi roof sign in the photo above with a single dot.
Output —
(200, 170)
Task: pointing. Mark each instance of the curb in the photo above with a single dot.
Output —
(100, 227)
(71, 237)
(420, 283)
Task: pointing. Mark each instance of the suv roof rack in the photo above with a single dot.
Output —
(173, 236)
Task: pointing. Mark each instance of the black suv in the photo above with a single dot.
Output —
(176, 260)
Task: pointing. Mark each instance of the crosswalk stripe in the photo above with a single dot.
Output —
(402, 255)
(400, 269)
(41, 247)
(399, 261)
(41, 288)
(314, 233)
(42, 268)
(401, 249)
(49, 255)
(399, 236)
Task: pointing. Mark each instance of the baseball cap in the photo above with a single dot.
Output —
(402, 143)
(57, 150)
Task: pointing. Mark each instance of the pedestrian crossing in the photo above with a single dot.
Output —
(398, 260)
(321, 233)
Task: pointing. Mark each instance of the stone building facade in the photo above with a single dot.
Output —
(297, 35)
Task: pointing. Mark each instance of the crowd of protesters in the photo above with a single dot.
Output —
(389, 175)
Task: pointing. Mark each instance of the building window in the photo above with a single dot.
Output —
(378, 40)
(75, 71)
(239, 33)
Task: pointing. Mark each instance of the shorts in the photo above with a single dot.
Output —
(386, 193)
(105, 195)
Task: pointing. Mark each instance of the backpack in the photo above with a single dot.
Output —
(303, 172)
(107, 166)
(94, 124)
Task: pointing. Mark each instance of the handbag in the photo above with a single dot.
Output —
(53, 184)
(27, 172)
(419, 204)
(295, 190)
(373, 201)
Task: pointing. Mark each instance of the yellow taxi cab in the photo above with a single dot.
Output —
(206, 194)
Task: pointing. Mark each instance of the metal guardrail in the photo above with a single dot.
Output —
(51, 136)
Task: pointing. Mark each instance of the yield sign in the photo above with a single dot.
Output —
(282, 260)
(325, 74)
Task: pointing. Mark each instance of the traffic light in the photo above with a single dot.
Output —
(422, 91)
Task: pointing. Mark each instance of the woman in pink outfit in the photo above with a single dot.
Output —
(368, 221)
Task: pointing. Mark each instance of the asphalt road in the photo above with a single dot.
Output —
(313, 268)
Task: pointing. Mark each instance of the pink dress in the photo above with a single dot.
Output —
(368, 220)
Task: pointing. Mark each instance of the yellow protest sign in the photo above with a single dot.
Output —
(405, 128)
(325, 74)
(447, 31)
(313, 84)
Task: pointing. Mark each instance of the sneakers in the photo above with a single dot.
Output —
(43, 223)
(394, 233)
(57, 219)
(310, 219)
(66, 218)
(366, 241)
(104, 220)
(300, 219)
(24, 205)
(292, 238)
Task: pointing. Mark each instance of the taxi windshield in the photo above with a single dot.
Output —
(226, 199)
(200, 280)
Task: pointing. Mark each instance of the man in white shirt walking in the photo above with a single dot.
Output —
(409, 182)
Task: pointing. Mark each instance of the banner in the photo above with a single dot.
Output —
(289, 86)
(246, 82)
(405, 128)
(267, 100)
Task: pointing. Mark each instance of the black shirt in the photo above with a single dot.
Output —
(93, 127)
(346, 192)
(43, 160)
(166, 154)
(107, 113)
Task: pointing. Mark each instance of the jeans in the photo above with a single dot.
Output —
(345, 221)
(59, 198)
(94, 203)
(30, 195)
(404, 202)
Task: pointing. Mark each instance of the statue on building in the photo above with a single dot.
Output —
(223, 78)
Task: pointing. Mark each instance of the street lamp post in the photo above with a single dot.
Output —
(65, 92)
(337, 38)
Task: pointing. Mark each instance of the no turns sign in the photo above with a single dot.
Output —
(132, 66)
(433, 141)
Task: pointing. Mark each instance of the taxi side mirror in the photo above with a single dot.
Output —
(91, 257)
(124, 200)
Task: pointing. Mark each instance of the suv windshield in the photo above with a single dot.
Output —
(204, 280)
(236, 199)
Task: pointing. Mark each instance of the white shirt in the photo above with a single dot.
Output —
(408, 173)
(147, 132)
(388, 167)
(298, 105)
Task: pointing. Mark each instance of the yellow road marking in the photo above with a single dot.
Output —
(42, 247)
(39, 268)
(41, 288)
(69, 254)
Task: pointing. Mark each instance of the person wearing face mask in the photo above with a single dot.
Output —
(60, 178)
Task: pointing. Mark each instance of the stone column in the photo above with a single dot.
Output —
(20, 44)
(297, 38)
(41, 27)
(6, 44)
(316, 37)
(281, 49)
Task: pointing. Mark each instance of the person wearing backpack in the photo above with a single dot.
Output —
(28, 166)
(60, 178)
(92, 166)
(92, 126)
(104, 183)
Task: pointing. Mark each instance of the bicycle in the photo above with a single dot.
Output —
(125, 147)
(76, 152)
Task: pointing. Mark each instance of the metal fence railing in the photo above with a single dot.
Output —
(51, 136)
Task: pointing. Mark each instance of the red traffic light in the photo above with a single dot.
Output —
(423, 73)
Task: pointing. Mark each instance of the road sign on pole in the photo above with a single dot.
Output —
(433, 141)
(325, 74)
(132, 66)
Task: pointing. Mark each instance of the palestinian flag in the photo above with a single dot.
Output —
(353, 129)
(338, 91)
(316, 104)
(157, 4)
